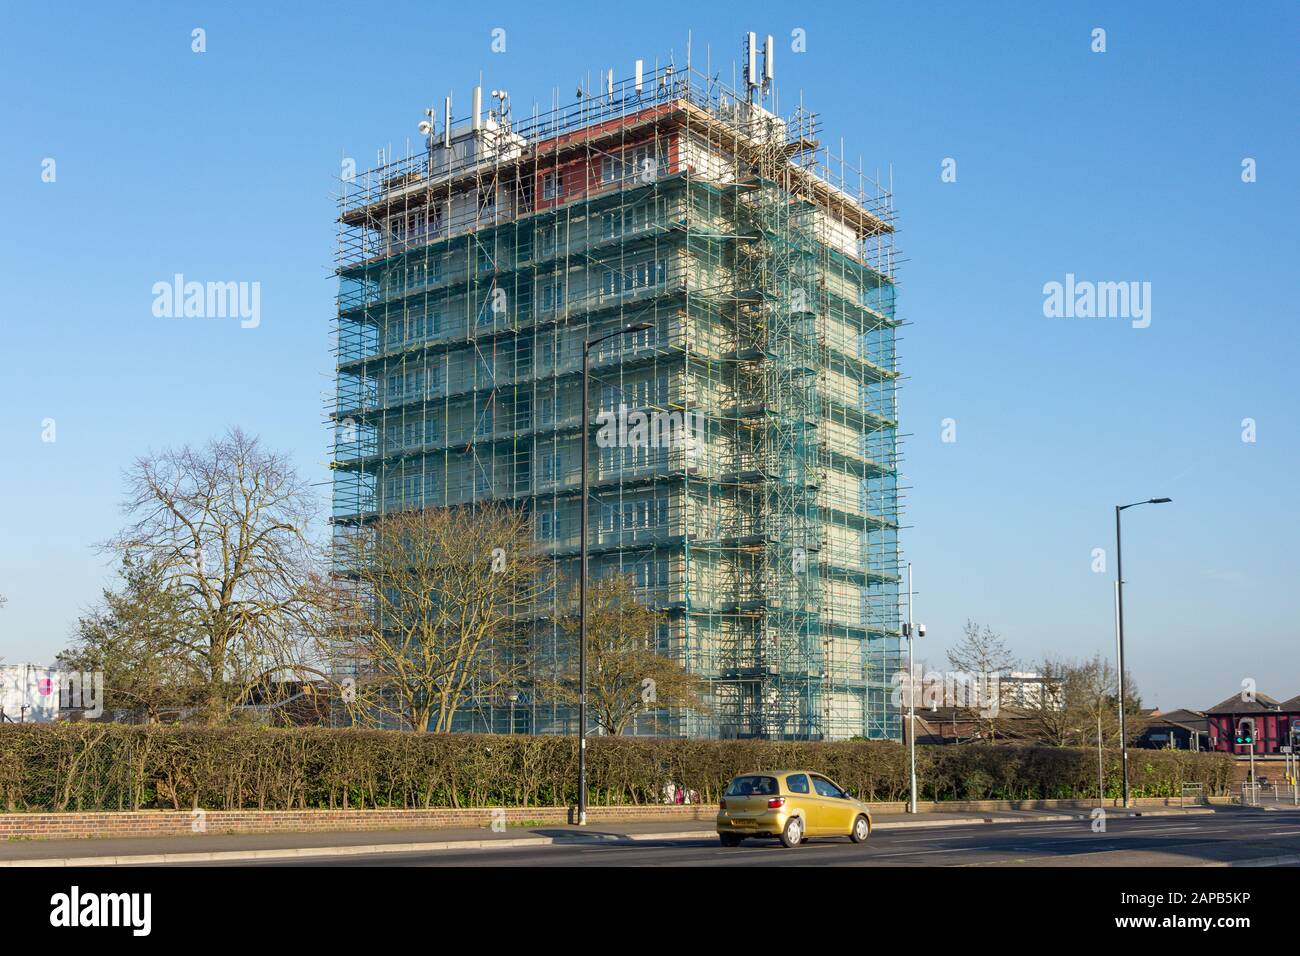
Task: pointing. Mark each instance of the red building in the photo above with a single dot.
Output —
(1273, 723)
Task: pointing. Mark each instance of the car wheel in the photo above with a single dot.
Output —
(730, 839)
(861, 829)
(792, 834)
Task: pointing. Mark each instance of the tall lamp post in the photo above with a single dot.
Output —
(1119, 618)
(582, 575)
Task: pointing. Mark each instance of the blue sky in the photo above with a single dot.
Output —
(1117, 166)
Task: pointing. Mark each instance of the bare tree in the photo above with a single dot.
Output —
(1056, 717)
(625, 672)
(228, 526)
(1085, 694)
(981, 651)
(434, 609)
(981, 654)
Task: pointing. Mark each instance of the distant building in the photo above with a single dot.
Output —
(1029, 690)
(1178, 729)
(1273, 723)
(29, 693)
(960, 725)
(291, 703)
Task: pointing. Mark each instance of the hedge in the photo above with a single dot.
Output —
(86, 766)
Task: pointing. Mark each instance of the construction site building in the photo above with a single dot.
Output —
(472, 271)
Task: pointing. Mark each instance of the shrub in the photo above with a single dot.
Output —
(120, 767)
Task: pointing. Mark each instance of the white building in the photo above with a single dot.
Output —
(1029, 690)
(29, 693)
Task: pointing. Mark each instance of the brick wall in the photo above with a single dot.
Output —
(145, 823)
(142, 823)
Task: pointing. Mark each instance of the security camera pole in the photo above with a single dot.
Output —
(1119, 614)
(911, 691)
(582, 576)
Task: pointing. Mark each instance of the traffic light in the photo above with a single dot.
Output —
(1246, 731)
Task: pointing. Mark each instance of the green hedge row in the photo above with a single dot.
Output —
(118, 767)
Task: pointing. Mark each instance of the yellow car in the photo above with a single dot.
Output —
(791, 805)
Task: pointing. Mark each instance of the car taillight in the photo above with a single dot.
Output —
(722, 804)
(776, 802)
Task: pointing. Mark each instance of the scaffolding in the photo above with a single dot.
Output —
(470, 275)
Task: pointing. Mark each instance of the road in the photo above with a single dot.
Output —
(1232, 836)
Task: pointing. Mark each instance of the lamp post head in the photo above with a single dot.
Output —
(1149, 501)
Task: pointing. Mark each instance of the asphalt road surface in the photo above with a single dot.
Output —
(1193, 840)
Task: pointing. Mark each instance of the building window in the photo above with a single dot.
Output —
(551, 467)
(638, 276)
(546, 240)
(553, 295)
(645, 162)
(651, 574)
(404, 385)
(552, 185)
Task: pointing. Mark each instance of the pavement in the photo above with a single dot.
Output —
(1166, 837)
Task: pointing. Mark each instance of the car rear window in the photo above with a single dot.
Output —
(752, 786)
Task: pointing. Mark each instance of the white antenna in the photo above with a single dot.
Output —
(640, 69)
(751, 63)
(446, 123)
(478, 107)
(768, 71)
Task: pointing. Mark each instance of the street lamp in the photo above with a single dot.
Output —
(582, 575)
(1119, 636)
(514, 699)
